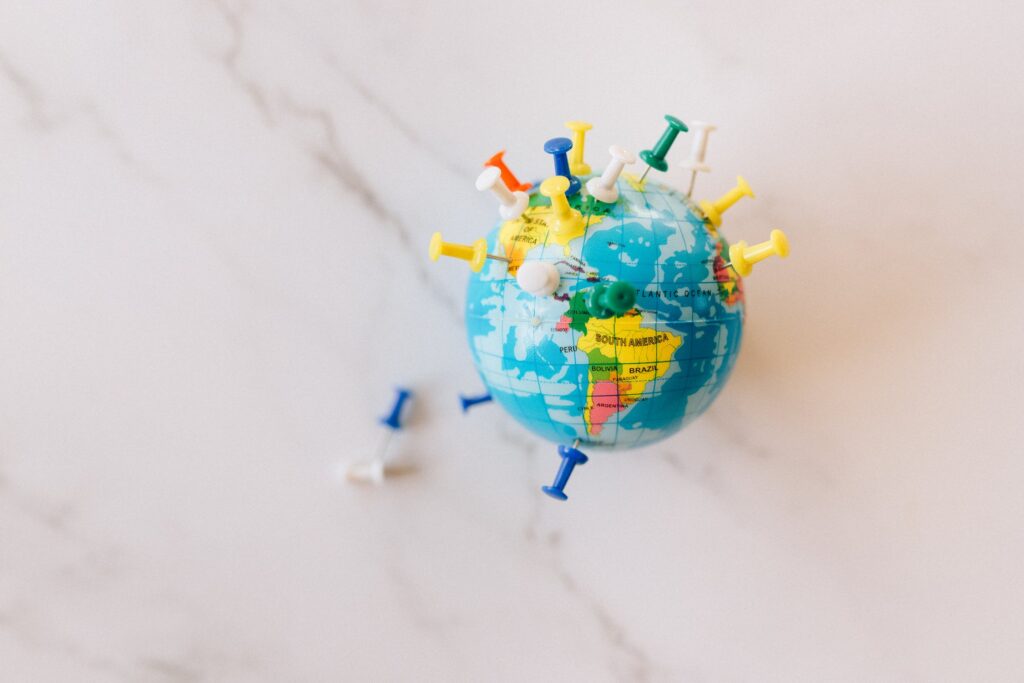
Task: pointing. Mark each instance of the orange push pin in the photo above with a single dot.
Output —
(507, 177)
(567, 220)
(475, 253)
(742, 258)
(714, 210)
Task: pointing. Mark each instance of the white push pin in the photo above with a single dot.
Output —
(366, 471)
(513, 204)
(539, 278)
(698, 151)
(603, 188)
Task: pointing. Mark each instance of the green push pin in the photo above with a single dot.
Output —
(611, 301)
(655, 158)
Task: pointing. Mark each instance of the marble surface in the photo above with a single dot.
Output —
(213, 219)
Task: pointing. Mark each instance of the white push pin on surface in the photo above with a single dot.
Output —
(366, 471)
(603, 188)
(513, 204)
(538, 278)
(698, 151)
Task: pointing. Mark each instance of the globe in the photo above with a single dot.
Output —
(620, 381)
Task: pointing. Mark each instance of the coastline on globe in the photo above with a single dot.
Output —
(623, 381)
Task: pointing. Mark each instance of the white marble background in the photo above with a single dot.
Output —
(213, 220)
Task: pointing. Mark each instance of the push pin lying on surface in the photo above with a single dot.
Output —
(655, 158)
(611, 301)
(698, 151)
(579, 130)
(507, 177)
(742, 257)
(513, 204)
(374, 469)
(475, 253)
(713, 210)
(566, 220)
(570, 458)
(470, 401)
(559, 149)
(604, 188)
(539, 278)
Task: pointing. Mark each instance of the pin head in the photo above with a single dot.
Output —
(744, 187)
(558, 146)
(539, 278)
(436, 243)
(554, 186)
(622, 154)
(780, 243)
(578, 126)
(487, 178)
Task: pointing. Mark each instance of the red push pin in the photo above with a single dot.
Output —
(507, 177)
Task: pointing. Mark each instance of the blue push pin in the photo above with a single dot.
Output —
(470, 401)
(396, 412)
(570, 458)
(559, 148)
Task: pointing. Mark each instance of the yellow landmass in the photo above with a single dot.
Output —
(530, 230)
(640, 355)
(634, 181)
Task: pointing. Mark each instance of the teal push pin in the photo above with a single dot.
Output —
(611, 301)
(655, 158)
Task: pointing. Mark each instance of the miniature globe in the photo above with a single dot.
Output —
(624, 380)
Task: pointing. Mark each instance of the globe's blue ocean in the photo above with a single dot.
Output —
(618, 382)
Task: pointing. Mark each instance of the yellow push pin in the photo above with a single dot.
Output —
(714, 210)
(567, 220)
(475, 253)
(742, 258)
(576, 164)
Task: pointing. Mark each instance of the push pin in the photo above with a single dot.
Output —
(475, 253)
(579, 130)
(539, 278)
(611, 301)
(374, 469)
(570, 458)
(714, 210)
(470, 401)
(698, 151)
(507, 177)
(655, 158)
(567, 220)
(742, 258)
(513, 204)
(559, 149)
(604, 188)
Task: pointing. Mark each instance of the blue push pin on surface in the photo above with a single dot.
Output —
(470, 401)
(392, 420)
(570, 458)
(559, 148)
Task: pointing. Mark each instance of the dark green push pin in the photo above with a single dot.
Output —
(655, 158)
(611, 301)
